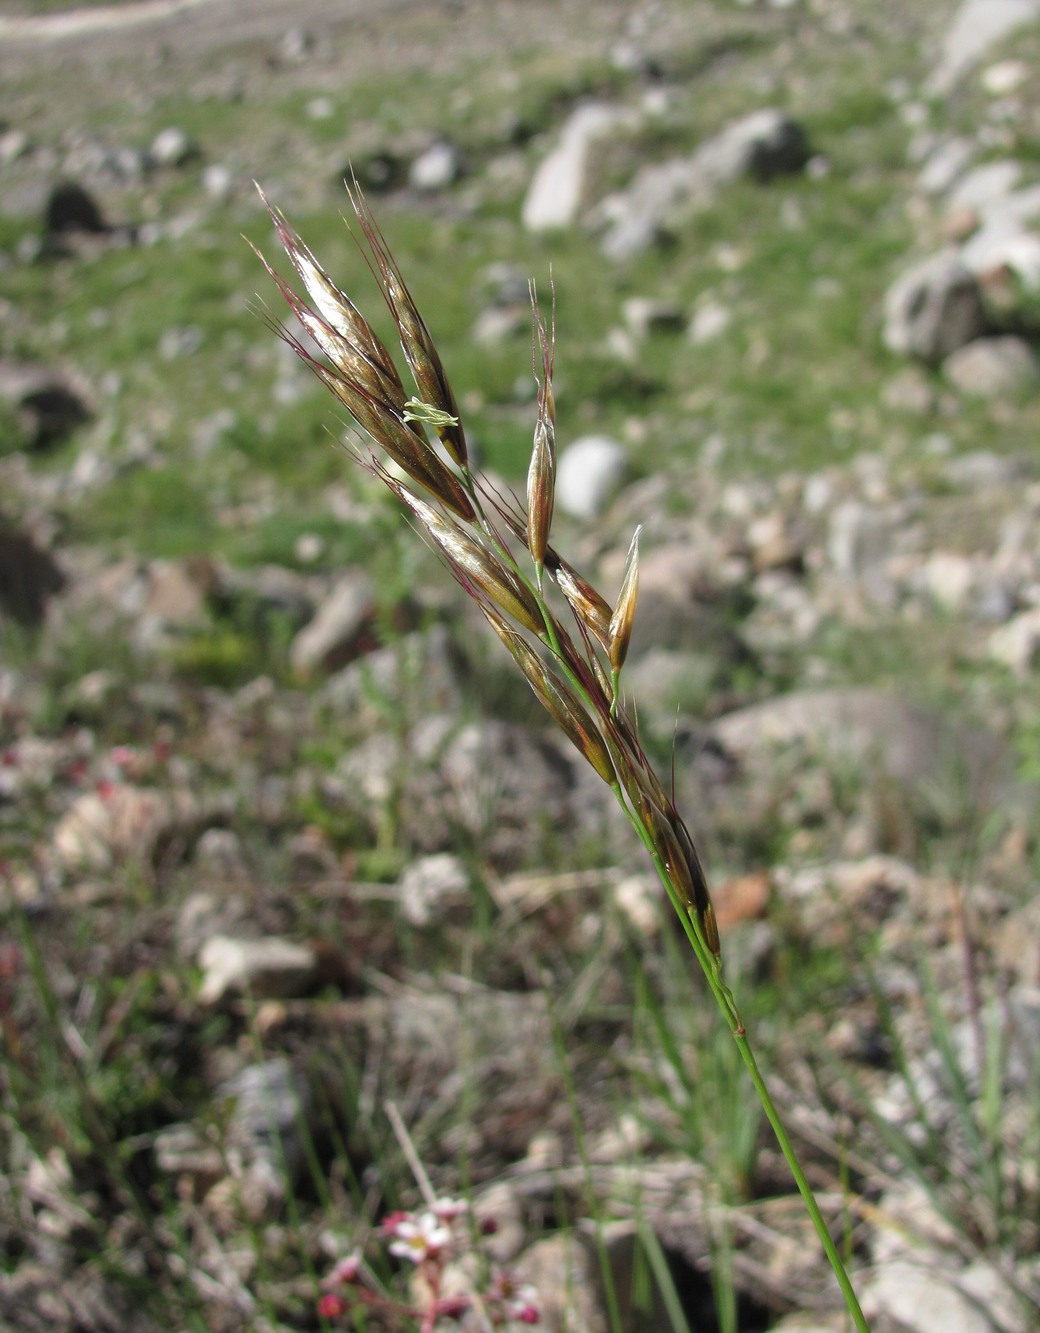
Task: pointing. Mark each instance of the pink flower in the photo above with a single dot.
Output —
(332, 1306)
(517, 1300)
(392, 1221)
(346, 1271)
(418, 1239)
(447, 1210)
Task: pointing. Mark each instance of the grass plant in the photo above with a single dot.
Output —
(568, 641)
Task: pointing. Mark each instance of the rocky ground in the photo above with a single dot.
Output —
(282, 841)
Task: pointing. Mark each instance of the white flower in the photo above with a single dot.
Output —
(420, 1238)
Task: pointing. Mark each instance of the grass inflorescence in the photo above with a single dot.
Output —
(498, 549)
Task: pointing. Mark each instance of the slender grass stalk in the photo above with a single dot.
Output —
(478, 533)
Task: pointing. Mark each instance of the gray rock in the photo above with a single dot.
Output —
(929, 1289)
(993, 367)
(430, 887)
(72, 209)
(505, 785)
(125, 825)
(179, 340)
(858, 538)
(342, 621)
(435, 169)
(949, 579)
(762, 145)
(171, 147)
(14, 144)
(909, 743)
(1003, 243)
(29, 577)
(1005, 77)
(269, 968)
(591, 471)
(976, 28)
(557, 191)
(1017, 644)
(909, 391)
(982, 469)
(565, 1272)
(985, 184)
(644, 315)
(218, 181)
(268, 1108)
(47, 406)
(944, 164)
(497, 324)
(710, 320)
(933, 308)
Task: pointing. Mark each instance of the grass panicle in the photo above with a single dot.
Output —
(498, 550)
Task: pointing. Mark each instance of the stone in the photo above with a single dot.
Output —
(762, 145)
(48, 407)
(977, 26)
(171, 147)
(121, 823)
(919, 1297)
(710, 320)
(263, 969)
(999, 249)
(565, 1272)
(858, 538)
(29, 577)
(430, 887)
(909, 743)
(985, 184)
(933, 308)
(909, 391)
(1006, 76)
(435, 169)
(268, 1110)
(509, 787)
(497, 324)
(218, 182)
(993, 367)
(949, 578)
(71, 208)
(590, 472)
(1017, 644)
(14, 144)
(981, 469)
(558, 189)
(944, 164)
(644, 315)
(339, 628)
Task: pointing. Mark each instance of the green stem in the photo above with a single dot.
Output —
(712, 970)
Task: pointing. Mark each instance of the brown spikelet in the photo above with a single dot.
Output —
(474, 565)
(590, 609)
(557, 697)
(422, 356)
(541, 476)
(621, 622)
